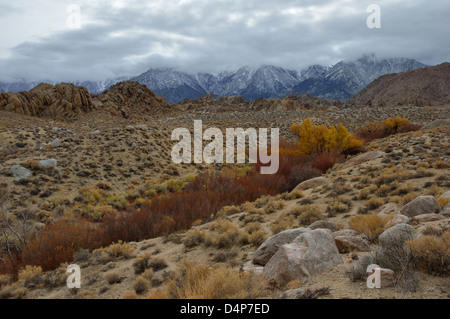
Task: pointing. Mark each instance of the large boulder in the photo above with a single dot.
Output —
(309, 254)
(20, 173)
(312, 183)
(397, 234)
(271, 245)
(421, 205)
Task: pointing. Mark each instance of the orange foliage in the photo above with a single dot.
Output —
(314, 139)
(390, 126)
(58, 242)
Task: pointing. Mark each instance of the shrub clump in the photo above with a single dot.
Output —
(371, 226)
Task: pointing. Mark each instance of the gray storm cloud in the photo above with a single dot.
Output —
(128, 37)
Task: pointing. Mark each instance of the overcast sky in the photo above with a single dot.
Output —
(126, 37)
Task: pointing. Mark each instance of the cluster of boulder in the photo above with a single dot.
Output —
(21, 173)
(304, 252)
(67, 101)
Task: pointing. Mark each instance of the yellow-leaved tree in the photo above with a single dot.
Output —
(315, 139)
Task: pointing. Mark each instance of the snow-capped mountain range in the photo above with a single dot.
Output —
(341, 81)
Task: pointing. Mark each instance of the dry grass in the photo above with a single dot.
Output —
(284, 221)
(117, 251)
(340, 205)
(370, 225)
(30, 276)
(222, 234)
(113, 277)
(432, 253)
(196, 281)
(371, 204)
(194, 238)
(141, 285)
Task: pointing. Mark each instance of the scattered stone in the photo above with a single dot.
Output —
(142, 127)
(56, 143)
(97, 132)
(309, 254)
(271, 245)
(50, 163)
(421, 205)
(20, 173)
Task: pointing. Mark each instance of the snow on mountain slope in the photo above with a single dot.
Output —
(341, 81)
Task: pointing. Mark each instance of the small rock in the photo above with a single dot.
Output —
(19, 172)
(142, 127)
(56, 143)
(97, 132)
(50, 163)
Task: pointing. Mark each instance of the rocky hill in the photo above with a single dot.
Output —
(131, 98)
(422, 87)
(66, 101)
(63, 100)
(210, 104)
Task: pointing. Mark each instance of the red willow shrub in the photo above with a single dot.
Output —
(58, 242)
(167, 213)
(390, 126)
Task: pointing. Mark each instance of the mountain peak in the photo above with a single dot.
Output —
(341, 81)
